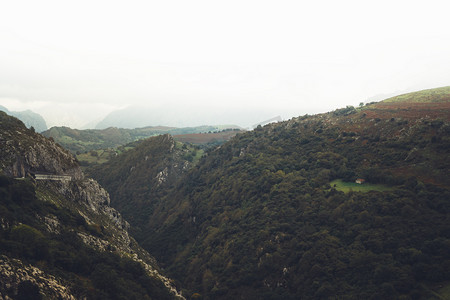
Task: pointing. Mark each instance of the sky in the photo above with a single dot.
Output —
(76, 61)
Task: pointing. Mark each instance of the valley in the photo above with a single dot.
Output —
(271, 213)
(258, 218)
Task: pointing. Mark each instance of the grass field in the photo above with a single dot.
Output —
(101, 156)
(438, 95)
(346, 187)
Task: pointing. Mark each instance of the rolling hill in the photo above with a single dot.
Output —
(80, 141)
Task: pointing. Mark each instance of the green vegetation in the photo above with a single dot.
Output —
(255, 218)
(191, 154)
(82, 141)
(66, 229)
(264, 224)
(95, 147)
(209, 139)
(144, 172)
(89, 273)
(346, 187)
(94, 158)
(438, 95)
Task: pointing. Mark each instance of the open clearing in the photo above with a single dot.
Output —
(346, 187)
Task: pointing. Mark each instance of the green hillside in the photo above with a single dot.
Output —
(257, 218)
(438, 95)
(81, 141)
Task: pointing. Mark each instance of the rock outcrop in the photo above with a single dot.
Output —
(24, 152)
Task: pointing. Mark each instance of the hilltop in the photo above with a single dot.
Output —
(438, 95)
(260, 216)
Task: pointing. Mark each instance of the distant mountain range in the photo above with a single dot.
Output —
(29, 118)
(180, 115)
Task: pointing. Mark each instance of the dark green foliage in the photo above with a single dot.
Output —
(257, 219)
(145, 172)
(28, 291)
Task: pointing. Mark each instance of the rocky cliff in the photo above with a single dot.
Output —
(47, 212)
(23, 151)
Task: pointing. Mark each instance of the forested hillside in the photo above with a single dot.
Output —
(139, 177)
(257, 218)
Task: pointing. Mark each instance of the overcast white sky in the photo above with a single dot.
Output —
(75, 61)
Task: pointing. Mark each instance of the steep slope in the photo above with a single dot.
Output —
(139, 177)
(257, 218)
(29, 118)
(59, 236)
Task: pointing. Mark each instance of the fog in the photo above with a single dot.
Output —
(215, 62)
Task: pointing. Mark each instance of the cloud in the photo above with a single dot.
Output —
(282, 56)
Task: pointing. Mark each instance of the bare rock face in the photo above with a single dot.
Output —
(88, 194)
(50, 157)
(23, 151)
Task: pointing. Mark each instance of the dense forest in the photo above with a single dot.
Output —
(257, 217)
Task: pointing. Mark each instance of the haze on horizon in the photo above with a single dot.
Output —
(212, 62)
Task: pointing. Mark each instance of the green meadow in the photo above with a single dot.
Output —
(346, 187)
